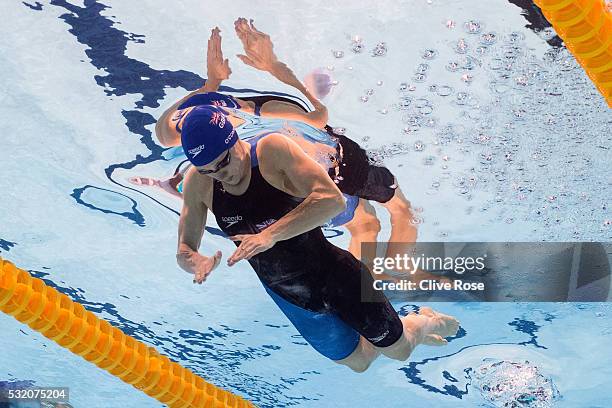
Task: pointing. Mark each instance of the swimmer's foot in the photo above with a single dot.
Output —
(445, 325)
(144, 181)
(168, 185)
(432, 326)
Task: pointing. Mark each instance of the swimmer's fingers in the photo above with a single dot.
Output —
(426, 311)
(434, 340)
(240, 27)
(250, 248)
(214, 44)
(239, 237)
(246, 60)
(206, 267)
(218, 49)
(239, 252)
(235, 257)
(257, 31)
(244, 251)
(209, 51)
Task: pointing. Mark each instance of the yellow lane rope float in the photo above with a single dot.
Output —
(586, 29)
(66, 322)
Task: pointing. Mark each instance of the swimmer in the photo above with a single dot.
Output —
(354, 173)
(318, 286)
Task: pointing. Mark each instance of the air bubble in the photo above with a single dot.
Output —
(461, 47)
(429, 54)
(452, 66)
(419, 78)
(472, 27)
(421, 68)
(489, 38)
(444, 90)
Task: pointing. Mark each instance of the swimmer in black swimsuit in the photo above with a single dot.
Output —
(324, 291)
(353, 172)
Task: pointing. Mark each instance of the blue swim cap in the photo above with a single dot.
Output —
(210, 98)
(206, 133)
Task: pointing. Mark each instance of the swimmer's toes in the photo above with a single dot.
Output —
(434, 340)
(426, 311)
(142, 181)
(451, 325)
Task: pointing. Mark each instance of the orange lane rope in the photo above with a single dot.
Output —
(586, 29)
(66, 322)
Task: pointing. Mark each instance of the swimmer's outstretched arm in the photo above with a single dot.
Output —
(217, 70)
(260, 55)
(284, 164)
(191, 228)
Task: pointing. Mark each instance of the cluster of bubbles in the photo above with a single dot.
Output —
(512, 385)
(527, 146)
(358, 46)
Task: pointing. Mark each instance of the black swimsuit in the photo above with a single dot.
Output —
(357, 175)
(317, 285)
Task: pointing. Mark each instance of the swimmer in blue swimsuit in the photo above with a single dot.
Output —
(324, 291)
(360, 180)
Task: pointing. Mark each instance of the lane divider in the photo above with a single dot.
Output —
(69, 324)
(586, 29)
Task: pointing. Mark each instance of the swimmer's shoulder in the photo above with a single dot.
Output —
(197, 188)
(271, 147)
(276, 153)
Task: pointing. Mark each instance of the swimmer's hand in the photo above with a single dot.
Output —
(430, 327)
(217, 67)
(250, 245)
(199, 265)
(257, 46)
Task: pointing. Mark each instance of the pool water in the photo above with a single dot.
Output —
(492, 129)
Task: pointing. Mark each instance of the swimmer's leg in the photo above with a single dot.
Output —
(403, 227)
(360, 359)
(404, 234)
(364, 227)
(428, 327)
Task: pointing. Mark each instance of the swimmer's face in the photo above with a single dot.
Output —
(228, 167)
(175, 124)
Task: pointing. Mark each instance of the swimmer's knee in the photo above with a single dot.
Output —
(364, 223)
(360, 368)
(361, 358)
(398, 202)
